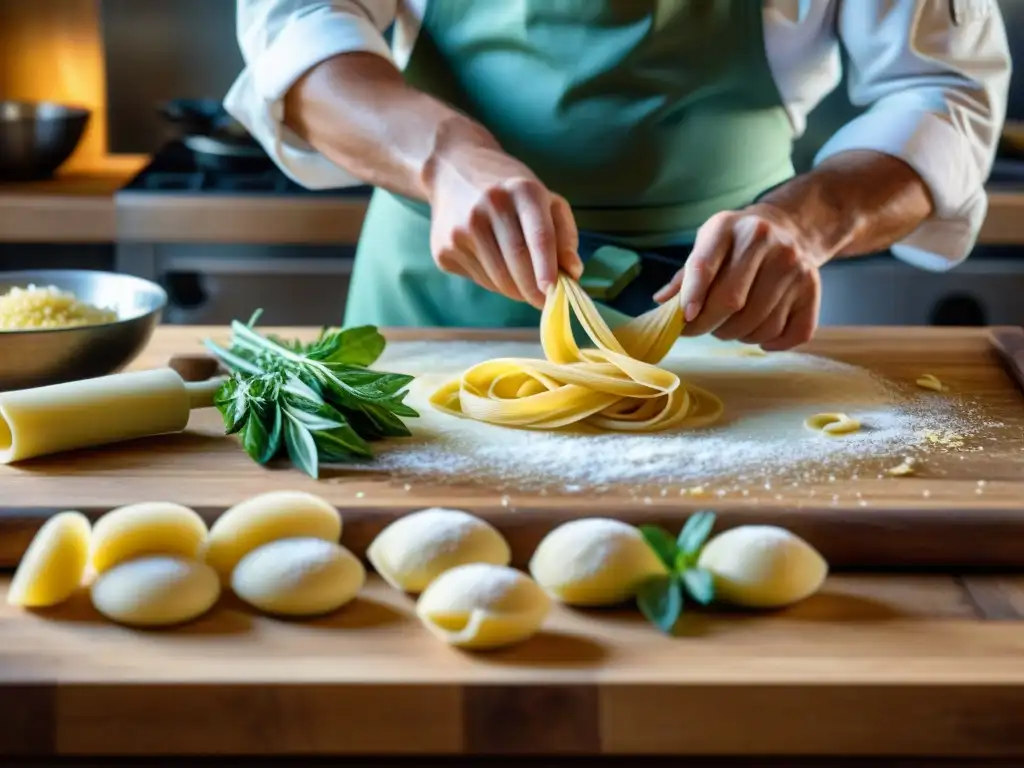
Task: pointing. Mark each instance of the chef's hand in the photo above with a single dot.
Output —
(752, 276)
(494, 222)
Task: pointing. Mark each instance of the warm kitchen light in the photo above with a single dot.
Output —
(52, 50)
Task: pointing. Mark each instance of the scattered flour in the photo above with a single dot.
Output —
(767, 399)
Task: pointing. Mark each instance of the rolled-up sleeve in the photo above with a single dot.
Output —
(935, 75)
(281, 40)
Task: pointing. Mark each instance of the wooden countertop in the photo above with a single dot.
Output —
(80, 208)
(875, 664)
(872, 665)
(964, 507)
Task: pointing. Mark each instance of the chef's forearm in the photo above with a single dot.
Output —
(855, 203)
(358, 111)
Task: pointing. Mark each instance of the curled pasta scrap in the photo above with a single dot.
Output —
(617, 386)
(930, 381)
(832, 423)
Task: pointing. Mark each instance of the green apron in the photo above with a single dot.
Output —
(648, 116)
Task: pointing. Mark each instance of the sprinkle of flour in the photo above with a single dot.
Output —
(762, 433)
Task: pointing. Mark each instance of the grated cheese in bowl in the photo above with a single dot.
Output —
(48, 307)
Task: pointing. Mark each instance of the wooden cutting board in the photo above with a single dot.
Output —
(964, 508)
(871, 665)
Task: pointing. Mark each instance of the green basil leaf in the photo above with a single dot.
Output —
(399, 408)
(360, 346)
(353, 346)
(661, 542)
(700, 585)
(695, 532)
(255, 438)
(341, 445)
(274, 434)
(379, 422)
(301, 447)
(231, 405)
(370, 385)
(660, 600)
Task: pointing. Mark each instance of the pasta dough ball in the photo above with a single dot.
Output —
(265, 518)
(415, 549)
(298, 577)
(53, 565)
(594, 561)
(480, 606)
(763, 566)
(156, 591)
(150, 528)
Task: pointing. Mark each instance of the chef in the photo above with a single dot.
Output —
(496, 131)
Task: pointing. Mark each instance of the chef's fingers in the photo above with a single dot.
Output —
(567, 236)
(467, 266)
(483, 246)
(671, 288)
(730, 290)
(508, 233)
(803, 319)
(774, 324)
(772, 284)
(538, 227)
(713, 244)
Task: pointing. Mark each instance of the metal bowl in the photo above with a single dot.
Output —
(37, 137)
(36, 358)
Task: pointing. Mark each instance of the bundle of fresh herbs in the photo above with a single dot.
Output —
(317, 403)
(661, 600)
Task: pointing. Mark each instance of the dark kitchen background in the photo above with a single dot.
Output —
(188, 50)
(126, 57)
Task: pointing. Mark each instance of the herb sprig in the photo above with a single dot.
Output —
(315, 402)
(662, 599)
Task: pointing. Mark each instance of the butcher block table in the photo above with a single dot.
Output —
(913, 648)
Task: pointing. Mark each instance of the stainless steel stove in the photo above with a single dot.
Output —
(987, 289)
(223, 243)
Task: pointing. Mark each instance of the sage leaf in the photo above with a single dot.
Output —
(301, 447)
(660, 600)
(298, 388)
(321, 419)
(700, 585)
(232, 406)
(340, 445)
(662, 543)
(274, 435)
(695, 532)
(256, 436)
(358, 346)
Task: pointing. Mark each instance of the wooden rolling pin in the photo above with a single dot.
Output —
(99, 411)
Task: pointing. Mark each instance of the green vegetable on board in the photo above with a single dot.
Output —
(315, 402)
(661, 599)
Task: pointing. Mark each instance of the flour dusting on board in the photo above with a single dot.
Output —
(767, 399)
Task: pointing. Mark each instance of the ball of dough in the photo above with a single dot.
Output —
(480, 606)
(298, 577)
(53, 565)
(150, 528)
(594, 561)
(265, 518)
(156, 591)
(414, 550)
(763, 566)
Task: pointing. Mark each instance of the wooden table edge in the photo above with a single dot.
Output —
(820, 718)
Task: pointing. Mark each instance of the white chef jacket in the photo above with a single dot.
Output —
(934, 75)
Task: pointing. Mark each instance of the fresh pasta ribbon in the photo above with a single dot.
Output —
(617, 386)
